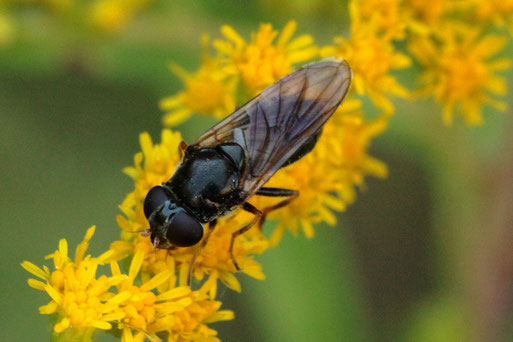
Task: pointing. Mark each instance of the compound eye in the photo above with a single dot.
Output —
(184, 230)
(154, 199)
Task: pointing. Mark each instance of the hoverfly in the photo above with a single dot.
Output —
(232, 161)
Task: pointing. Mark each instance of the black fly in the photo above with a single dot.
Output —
(232, 161)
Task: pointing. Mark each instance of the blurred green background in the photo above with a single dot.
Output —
(425, 255)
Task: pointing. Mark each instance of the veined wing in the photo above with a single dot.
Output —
(275, 124)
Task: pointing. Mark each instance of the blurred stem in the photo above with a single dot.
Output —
(75, 335)
(493, 255)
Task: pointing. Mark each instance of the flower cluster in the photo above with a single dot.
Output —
(238, 71)
(85, 302)
(459, 68)
(459, 57)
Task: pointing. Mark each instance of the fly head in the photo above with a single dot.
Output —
(170, 224)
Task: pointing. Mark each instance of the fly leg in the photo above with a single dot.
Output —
(211, 226)
(249, 208)
(181, 148)
(275, 192)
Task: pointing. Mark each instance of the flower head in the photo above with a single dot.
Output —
(427, 13)
(178, 312)
(152, 166)
(77, 296)
(386, 16)
(498, 12)
(372, 57)
(266, 57)
(460, 72)
(131, 302)
(208, 91)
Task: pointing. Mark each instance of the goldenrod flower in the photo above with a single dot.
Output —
(459, 72)
(352, 134)
(262, 61)
(112, 16)
(386, 16)
(84, 303)
(179, 312)
(427, 13)
(498, 12)
(372, 57)
(250, 65)
(424, 17)
(208, 91)
(79, 299)
(153, 166)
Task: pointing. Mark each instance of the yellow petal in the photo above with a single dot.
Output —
(300, 42)
(135, 265)
(223, 315)
(175, 293)
(30, 267)
(101, 325)
(230, 280)
(36, 284)
(63, 248)
(146, 143)
(62, 325)
(48, 309)
(232, 35)
(286, 33)
(156, 281)
(171, 102)
(176, 117)
(307, 228)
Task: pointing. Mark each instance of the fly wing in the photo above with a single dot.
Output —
(275, 124)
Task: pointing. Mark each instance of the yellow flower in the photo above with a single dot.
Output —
(159, 162)
(208, 91)
(84, 303)
(262, 60)
(386, 16)
(327, 176)
(424, 17)
(352, 134)
(153, 166)
(427, 12)
(498, 12)
(179, 312)
(372, 57)
(112, 16)
(77, 296)
(458, 71)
